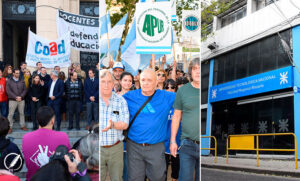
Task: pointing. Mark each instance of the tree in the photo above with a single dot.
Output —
(209, 9)
(130, 5)
(126, 6)
(183, 5)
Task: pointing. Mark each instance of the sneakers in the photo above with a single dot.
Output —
(24, 128)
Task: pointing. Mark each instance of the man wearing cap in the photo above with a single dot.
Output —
(118, 69)
(54, 95)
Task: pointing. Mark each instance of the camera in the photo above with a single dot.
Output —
(60, 152)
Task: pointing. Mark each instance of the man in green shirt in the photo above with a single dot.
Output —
(187, 109)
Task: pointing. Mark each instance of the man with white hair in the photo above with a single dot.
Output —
(187, 110)
(54, 95)
(114, 118)
(148, 131)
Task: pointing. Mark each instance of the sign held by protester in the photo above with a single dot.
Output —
(49, 52)
(190, 23)
(83, 30)
(153, 27)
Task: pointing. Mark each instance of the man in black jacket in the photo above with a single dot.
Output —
(74, 94)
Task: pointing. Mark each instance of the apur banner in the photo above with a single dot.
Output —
(153, 28)
(84, 30)
(49, 52)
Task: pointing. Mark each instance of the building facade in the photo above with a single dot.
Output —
(250, 74)
(40, 16)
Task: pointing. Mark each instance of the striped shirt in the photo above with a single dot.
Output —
(117, 111)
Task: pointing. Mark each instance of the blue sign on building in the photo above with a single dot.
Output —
(265, 82)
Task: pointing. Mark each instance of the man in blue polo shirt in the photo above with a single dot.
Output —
(146, 136)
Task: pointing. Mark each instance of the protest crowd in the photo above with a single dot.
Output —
(149, 121)
(45, 100)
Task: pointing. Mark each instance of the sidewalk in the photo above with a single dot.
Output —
(282, 167)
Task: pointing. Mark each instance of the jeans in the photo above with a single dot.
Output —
(3, 108)
(125, 170)
(92, 109)
(189, 160)
(34, 108)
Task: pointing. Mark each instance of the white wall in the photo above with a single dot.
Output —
(256, 25)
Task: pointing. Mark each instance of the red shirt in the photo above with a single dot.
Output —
(3, 95)
(9, 178)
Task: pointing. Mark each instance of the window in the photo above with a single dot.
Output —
(203, 121)
(89, 59)
(204, 81)
(233, 17)
(261, 56)
(207, 30)
(259, 4)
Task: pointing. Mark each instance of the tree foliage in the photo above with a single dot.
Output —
(209, 9)
(128, 6)
(183, 5)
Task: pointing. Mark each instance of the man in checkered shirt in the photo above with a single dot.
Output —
(114, 118)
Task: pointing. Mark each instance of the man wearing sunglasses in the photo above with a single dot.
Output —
(187, 111)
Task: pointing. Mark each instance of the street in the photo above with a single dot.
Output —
(208, 174)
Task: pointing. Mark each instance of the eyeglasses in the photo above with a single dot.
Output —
(173, 87)
(161, 74)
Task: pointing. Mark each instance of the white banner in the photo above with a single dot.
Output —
(173, 11)
(190, 23)
(50, 53)
(84, 30)
(153, 28)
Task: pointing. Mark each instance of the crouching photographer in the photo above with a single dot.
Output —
(63, 166)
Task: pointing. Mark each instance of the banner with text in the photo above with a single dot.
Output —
(84, 30)
(49, 52)
(190, 23)
(265, 82)
(153, 28)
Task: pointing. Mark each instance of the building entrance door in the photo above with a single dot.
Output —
(275, 115)
(17, 17)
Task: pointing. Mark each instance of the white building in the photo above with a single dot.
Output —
(249, 81)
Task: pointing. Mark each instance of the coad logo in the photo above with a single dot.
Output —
(52, 49)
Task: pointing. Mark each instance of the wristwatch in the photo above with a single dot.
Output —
(82, 169)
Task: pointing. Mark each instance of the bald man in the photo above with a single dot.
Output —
(146, 136)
